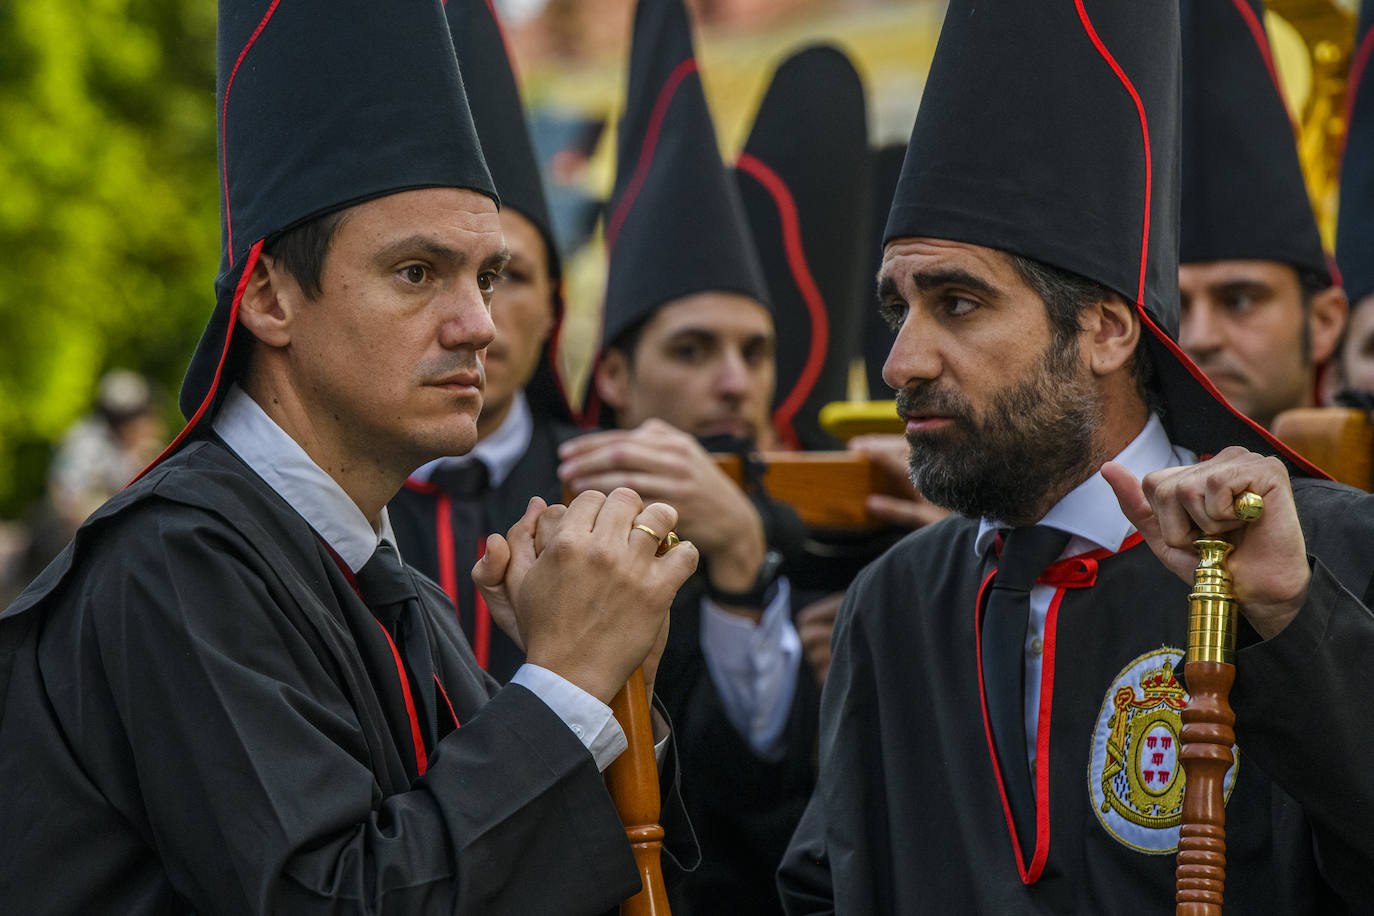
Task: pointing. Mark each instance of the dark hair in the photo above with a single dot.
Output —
(1066, 296)
(301, 250)
(627, 341)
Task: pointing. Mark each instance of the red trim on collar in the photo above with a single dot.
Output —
(448, 567)
(416, 739)
(1042, 744)
(786, 412)
(1262, 45)
(248, 264)
(1040, 855)
(224, 120)
(421, 759)
(447, 702)
(1145, 135)
(987, 724)
(646, 151)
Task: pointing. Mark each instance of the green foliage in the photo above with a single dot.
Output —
(109, 218)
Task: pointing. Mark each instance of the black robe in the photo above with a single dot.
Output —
(743, 808)
(198, 713)
(908, 815)
(414, 520)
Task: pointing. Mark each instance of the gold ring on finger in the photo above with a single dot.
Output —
(647, 530)
(1248, 506)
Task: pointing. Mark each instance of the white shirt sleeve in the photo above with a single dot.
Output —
(754, 667)
(590, 719)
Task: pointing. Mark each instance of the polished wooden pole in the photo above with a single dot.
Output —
(1208, 732)
(633, 782)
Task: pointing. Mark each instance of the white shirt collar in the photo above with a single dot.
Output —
(285, 467)
(1090, 511)
(500, 451)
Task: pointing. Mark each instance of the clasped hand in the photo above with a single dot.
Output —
(581, 588)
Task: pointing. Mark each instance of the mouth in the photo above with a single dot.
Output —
(926, 422)
(465, 382)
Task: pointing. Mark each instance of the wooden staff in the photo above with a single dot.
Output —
(633, 782)
(1208, 724)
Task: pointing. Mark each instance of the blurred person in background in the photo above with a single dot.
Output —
(95, 459)
(1261, 311)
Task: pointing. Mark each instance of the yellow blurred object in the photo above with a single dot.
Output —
(1312, 41)
(846, 419)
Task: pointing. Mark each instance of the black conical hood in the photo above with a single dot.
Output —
(1243, 191)
(877, 336)
(804, 176)
(321, 106)
(489, 78)
(1051, 130)
(674, 222)
(1355, 233)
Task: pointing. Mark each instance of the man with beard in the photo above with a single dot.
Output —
(1261, 311)
(998, 677)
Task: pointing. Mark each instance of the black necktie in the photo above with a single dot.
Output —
(463, 480)
(389, 592)
(1025, 555)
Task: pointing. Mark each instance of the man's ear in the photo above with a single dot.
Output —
(612, 378)
(269, 303)
(1326, 314)
(1111, 330)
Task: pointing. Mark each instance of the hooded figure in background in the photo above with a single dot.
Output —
(803, 177)
(999, 731)
(687, 368)
(1261, 313)
(232, 694)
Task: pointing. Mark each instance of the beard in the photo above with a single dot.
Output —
(1032, 446)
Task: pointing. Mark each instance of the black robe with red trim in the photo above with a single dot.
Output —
(415, 519)
(197, 713)
(908, 815)
(743, 808)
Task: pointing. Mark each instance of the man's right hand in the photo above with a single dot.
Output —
(590, 601)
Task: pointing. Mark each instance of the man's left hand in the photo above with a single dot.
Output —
(1174, 506)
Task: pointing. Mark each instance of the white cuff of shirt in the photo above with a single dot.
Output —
(589, 718)
(754, 667)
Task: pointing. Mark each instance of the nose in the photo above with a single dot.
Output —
(467, 322)
(732, 381)
(1199, 328)
(914, 357)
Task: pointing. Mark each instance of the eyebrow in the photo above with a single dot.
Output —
(498, 260)
(1239, 285)
(951, 276)
(443, 254)
(928, 280)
